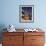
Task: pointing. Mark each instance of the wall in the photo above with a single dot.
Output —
(9, 13)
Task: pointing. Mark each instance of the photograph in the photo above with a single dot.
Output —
(26, 13)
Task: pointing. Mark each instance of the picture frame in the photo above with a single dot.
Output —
(26, 13)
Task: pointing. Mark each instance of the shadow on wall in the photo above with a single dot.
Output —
(2, 26)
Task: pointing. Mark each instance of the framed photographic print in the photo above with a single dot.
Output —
(26, 13)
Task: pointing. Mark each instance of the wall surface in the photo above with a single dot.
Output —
(9, 13)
